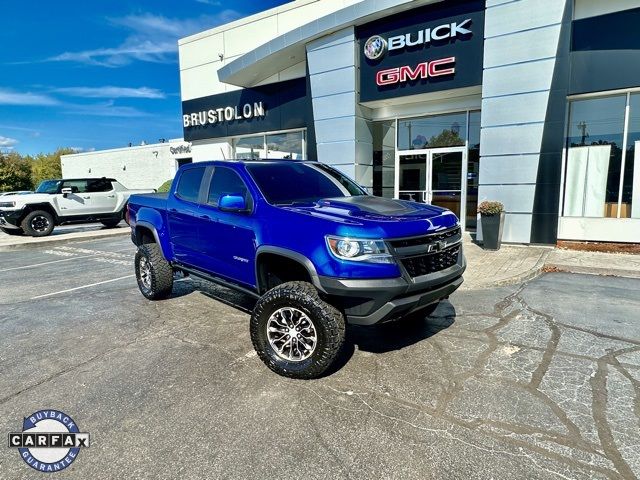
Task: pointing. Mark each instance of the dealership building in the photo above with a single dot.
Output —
(533, 103)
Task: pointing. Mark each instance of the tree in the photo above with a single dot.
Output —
(47, 165)
(15, 172)
(447, 138)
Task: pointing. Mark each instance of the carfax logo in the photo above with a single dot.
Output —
(50, 440)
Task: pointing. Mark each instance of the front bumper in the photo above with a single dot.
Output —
(10, 218)
(367, 302)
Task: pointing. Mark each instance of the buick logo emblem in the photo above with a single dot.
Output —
(375, 48)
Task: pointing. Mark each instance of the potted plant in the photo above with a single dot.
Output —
(492, 214)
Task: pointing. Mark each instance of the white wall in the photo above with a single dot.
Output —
(146, 166)
(201, 55)
(343, 138)
(521, 43)
(204, 150)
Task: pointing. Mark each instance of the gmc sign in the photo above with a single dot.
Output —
(426, 49)
(435, 68)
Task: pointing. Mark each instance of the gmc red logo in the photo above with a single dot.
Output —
(435, 68)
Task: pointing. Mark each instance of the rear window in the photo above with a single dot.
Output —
(189, 184)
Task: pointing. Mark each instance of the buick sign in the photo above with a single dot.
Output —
(426, 49)
(375, 47)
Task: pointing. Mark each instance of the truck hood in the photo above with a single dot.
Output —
(389, 217)
(26, 198)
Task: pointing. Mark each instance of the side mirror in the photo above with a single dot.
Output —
(66, 191)
(232, 203)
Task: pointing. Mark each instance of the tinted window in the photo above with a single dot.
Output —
(189, 184)
(225, 182)
(286, 183)
(76, 186)
(48, 186)
(99, 185)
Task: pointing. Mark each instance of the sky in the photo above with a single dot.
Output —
(98, 74)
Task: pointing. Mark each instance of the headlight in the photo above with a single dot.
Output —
(7, 204)
(373, 251)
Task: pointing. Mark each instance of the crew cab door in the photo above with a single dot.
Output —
(103, 196)
(77, 202)
(228, 238)
(183, 216)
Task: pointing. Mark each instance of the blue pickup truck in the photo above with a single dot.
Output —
(307, 242)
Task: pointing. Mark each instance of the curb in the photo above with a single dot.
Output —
(530, 274)
(57, 240)
(605, 272)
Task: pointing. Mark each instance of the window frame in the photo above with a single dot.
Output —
(264, 135)
(625, 134)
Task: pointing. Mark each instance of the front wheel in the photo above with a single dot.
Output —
(38, 223)
(296, 333)
(153, 273)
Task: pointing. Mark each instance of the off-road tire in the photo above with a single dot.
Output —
(111, 223)
(13, 231)
(328, 322)
(160, 274)
(33, 218)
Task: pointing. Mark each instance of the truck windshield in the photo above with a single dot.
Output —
(48, 186)
(288, 183)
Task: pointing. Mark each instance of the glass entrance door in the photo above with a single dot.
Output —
(434, 176)
(445, 184)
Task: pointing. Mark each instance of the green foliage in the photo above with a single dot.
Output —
(47, 165)
(490, 208)
(165, 187)
(446, 138)
(15, 172)
(25, 173)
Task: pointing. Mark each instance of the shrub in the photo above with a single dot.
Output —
(490, 208)
(165, 187)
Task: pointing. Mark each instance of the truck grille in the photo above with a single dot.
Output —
(430, 263)
(425, 240)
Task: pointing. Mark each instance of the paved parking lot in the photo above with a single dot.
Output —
(540, 380)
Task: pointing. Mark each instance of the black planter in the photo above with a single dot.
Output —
(492, 231)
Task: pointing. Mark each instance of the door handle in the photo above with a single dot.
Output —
(206, 217)
(87, 198)
(111, 196)
(173, 210)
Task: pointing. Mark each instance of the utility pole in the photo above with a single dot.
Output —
(583, 127)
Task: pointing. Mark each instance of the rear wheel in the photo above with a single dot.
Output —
(153, 273)
(13, 231)
(296, 333)
(38, 223)
(110, 223)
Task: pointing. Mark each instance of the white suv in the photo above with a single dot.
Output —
(57, 202)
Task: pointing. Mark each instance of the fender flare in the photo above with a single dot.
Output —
(154, 231)
(290, 254)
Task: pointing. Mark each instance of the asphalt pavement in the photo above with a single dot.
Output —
(535, 380)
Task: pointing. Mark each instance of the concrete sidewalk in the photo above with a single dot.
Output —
(517, 263)
(61, 235)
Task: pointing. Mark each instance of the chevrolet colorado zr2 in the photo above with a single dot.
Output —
(307, 242)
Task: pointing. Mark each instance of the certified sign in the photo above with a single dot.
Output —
(50, 440)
